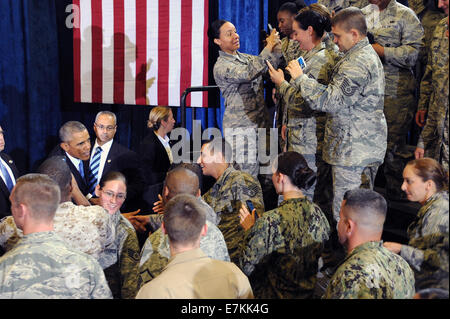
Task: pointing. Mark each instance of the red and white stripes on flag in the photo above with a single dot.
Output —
(140, 51)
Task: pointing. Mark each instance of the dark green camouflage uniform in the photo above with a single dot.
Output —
(371, 271)
(226, 197)
(283, 248)
(427, 249)
(434, 96)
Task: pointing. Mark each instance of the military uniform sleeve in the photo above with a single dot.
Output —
(405, 55)
(129, 266)
(238, 72)
(426, 87)
(100, 289)
(342, 90)
(262, 239)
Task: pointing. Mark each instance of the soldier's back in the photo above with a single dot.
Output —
(371, 271)
(41, 266)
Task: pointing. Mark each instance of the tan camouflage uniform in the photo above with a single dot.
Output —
(427, 249)
(226, 197)
(86, 228)
(371, 271)
(43, 266)
(122, 260)
(355, 131)
(398, 30)
(240, 80)
(434, 96)
(283, 248)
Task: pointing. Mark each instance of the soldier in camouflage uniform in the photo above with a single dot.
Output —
(427, 248)
(87, 228)
(291, 51)
(337, 5)
(355, 131)
(284, 245)
(121, 258)
(305, 127)
(156, 253)
(434, 94)
(239, 77)
(41, 265)
(398, 37)
(429, 15)
(232, 189)
(369, 271)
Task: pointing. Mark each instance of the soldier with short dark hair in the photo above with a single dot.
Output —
(232, 189)
(355, 130)
(369, 271)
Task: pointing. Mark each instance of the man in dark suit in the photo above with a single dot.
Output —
(76, 147)
(107, 155)
(8, 176)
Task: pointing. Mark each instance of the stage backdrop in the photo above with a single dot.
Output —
(37, 89)
(140, 51)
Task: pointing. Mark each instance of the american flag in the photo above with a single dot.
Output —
(144, 52)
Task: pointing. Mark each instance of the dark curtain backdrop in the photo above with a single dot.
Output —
(36, 76)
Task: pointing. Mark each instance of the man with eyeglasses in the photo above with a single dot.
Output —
(8, 176)
(107, 155)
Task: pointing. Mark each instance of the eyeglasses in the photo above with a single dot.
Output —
(119, 196)
(108, 128)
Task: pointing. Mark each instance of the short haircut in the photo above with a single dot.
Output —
(183, 219)
(194, 167)
(106, 113)
(222, 146)
(69, 128)
(430, 169)
(112, 176)
(368, 208)
(39, 193)
(181, 180)
(292, 7)
(350, 18)
(57, 169)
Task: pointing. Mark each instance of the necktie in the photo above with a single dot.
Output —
(8, 181)
(93, 168)
(81, 168)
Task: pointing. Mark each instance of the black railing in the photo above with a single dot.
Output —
(183, 99)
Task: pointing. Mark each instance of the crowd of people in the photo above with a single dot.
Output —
(109, 222)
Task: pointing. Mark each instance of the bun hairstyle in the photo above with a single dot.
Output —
(158, 114)
(294, 166)
(318, 20)
(429, 169)
(214, 29)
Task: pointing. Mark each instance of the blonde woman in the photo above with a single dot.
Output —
(155, 152)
